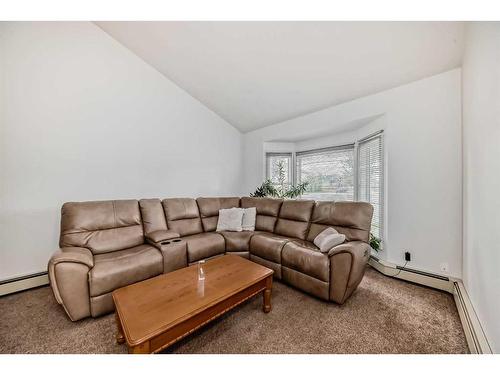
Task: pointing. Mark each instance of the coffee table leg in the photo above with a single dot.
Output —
(120, 339)
(267, 294)
(143, 348)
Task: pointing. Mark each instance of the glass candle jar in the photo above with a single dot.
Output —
(201, 271)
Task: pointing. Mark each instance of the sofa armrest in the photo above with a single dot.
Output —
(347, 268)
(358, 248)
(73, 254)
(68, 270)
(154, 238)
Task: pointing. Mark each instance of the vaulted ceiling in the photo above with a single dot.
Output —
(255, 74)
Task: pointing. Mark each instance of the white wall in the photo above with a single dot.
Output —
(83, 118)
(422, 123)
(481, 119)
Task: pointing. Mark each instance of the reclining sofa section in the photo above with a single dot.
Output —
(106, 245)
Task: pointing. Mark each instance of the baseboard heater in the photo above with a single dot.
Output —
(17, 284)
(428, 274)
(410, 274)
(424, 273)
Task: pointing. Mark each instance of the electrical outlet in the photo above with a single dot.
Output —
(407, 256)
(444, 267)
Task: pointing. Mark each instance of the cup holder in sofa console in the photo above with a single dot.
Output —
(174, 254)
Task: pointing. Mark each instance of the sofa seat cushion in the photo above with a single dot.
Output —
(306, 244)
(268, 246)
(306, 258)
(238, 241)
(204, 245)
(124, 267)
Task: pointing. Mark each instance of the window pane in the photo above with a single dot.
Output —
(279, 169)
(370, 179)
(330, 174)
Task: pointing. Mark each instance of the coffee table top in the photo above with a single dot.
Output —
(152, 306)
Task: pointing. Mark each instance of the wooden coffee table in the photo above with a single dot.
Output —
(155, 313)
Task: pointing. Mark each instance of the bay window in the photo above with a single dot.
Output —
(279, 169)
(329, 173)
(371, 178)
(353, 172)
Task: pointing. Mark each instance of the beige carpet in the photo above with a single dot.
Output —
(383, 316)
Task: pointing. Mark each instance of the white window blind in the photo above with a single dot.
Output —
(371, 178)
(279, 169)
(329, 173)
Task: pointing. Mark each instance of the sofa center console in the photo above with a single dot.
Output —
(174, 254)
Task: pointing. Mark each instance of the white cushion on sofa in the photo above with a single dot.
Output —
(249, 216)
(327, 239)
(230, 219)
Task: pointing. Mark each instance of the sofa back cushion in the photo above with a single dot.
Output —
(209, 210)
(294, 218)
(182, 215)
(267, 211)
(153, 216)
(101, 226)
(350, 218)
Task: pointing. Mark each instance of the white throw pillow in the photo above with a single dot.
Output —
(230, 219)
(327, 239)
(249, 215)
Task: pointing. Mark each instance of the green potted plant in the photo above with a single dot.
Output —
(281, 188)
(375, 242)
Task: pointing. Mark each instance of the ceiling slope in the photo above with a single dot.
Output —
(254, 74)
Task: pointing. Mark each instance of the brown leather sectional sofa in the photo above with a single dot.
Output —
(106, 245)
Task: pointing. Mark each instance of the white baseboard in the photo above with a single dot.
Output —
(476, 339)
(22, 283)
